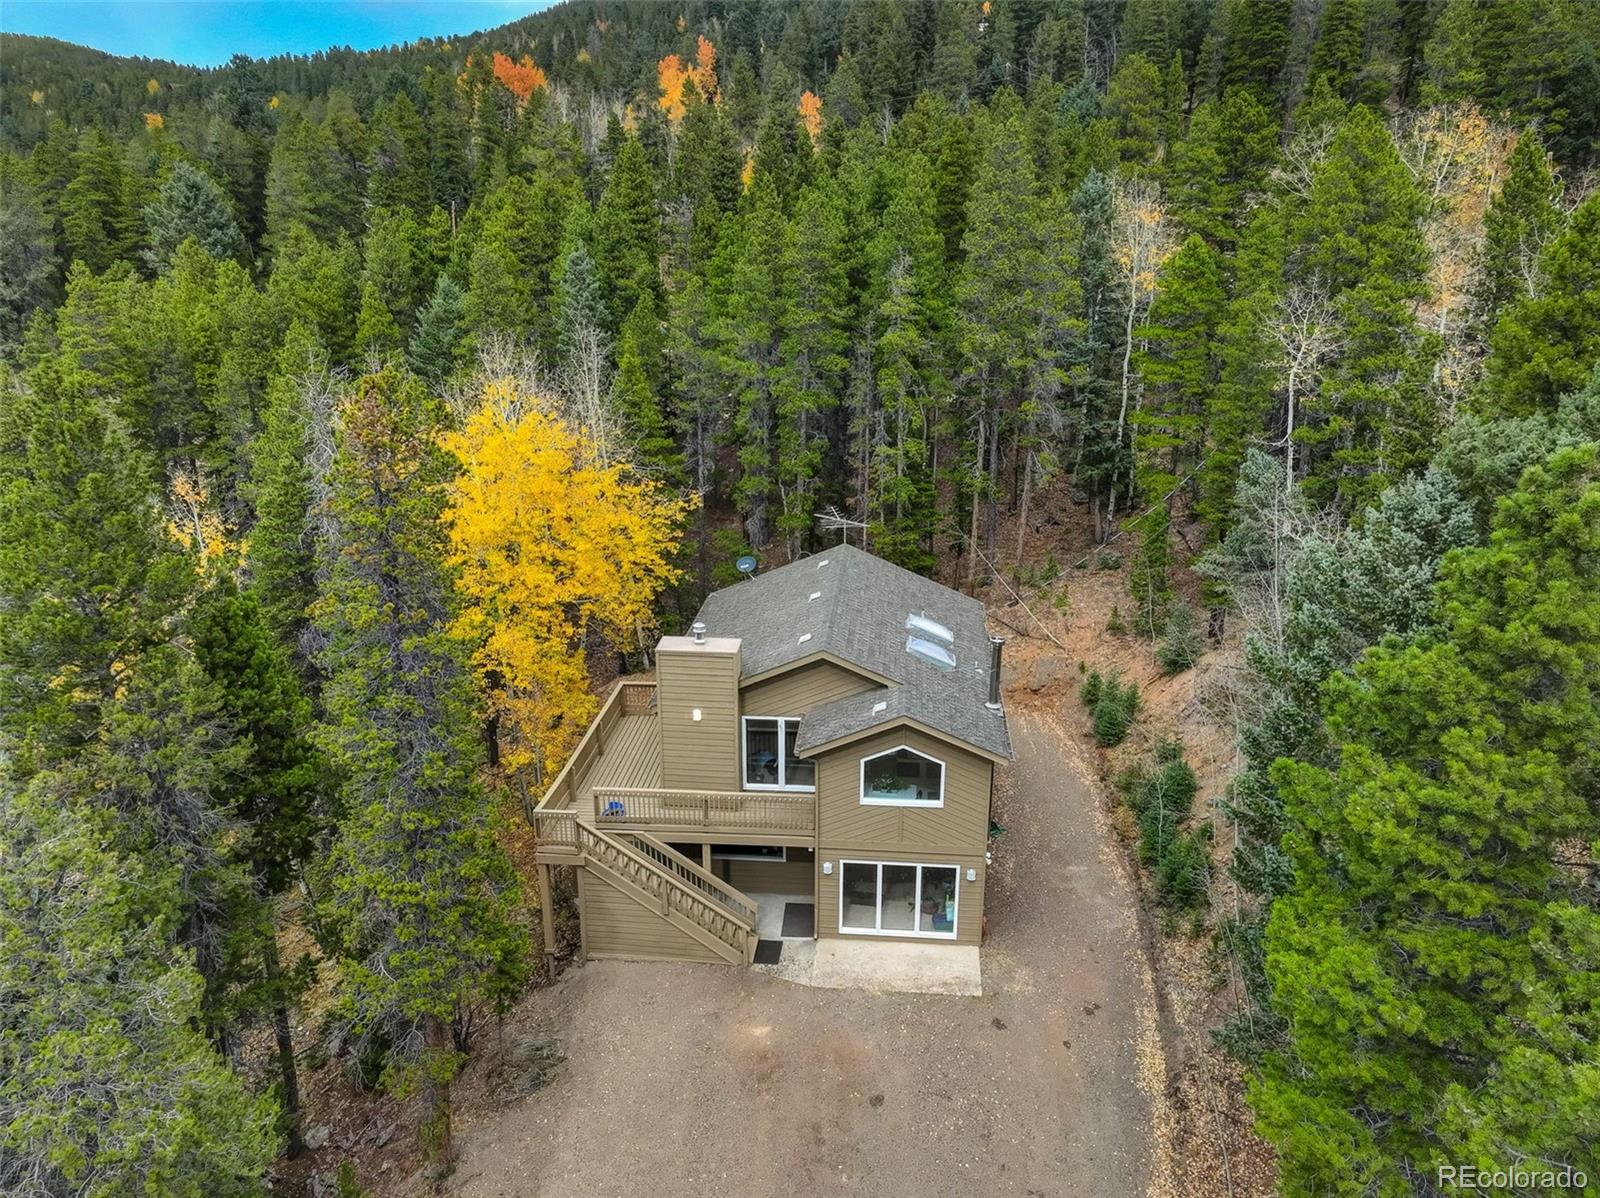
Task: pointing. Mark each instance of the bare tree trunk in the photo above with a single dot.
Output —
(977, 505)
(992, 507)
(285, 1038)
(438, 1142)
(1022, 505)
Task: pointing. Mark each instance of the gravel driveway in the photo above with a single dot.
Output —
(677, 1079)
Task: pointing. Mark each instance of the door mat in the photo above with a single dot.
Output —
(799, 919)
(768, 951)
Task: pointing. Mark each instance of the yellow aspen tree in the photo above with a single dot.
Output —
(549, 543)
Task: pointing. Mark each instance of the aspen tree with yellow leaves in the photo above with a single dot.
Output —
(553, 546)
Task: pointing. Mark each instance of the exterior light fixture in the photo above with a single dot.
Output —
(695, 715)
(827, 867)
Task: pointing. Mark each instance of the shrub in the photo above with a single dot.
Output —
(1176, 856)
(1183, 872)
(1180, 645)
(1089, 692)
(1114, 708)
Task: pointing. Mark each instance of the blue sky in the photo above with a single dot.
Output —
(207, 32)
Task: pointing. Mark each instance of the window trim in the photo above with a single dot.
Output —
(744, 755)
(921, 804)
(955, 922)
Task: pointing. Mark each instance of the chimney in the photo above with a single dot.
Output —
(995, 645)
(699, 630)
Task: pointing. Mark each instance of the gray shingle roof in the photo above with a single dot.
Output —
(858, 614)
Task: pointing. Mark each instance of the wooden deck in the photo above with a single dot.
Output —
(630, 758)
(619, 757)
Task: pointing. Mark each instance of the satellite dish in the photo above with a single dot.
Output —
(746, 565)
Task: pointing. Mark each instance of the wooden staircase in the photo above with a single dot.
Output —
(673, 888)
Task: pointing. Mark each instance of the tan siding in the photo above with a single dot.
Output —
(960, 827)
(614, 925)
(969, 895)
(769, 877)
(703, 754)
(798, 691)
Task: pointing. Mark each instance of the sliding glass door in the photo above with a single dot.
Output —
(892, 898)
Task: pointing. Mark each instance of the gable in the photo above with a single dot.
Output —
(796, 690)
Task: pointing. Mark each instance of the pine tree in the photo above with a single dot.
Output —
(814, 340)
(77, 518)
(303, 186)
(106, 1079)
(1220, 169)
(437, 347)
(28, 265)
(627, 236)
(1150, 580)
(1180, 366)
(637, 399)
(1134, 118)
(512, 261)
(278, 799)
(1522, 218)
(1359, 236)
(1337, 56)
(320, 285)
(1428, 958)
(749, 327)
(398, 169)
(377, 335)
(190, 204)
(1254, 47)
(96, 225)
(281, 559)
(1015, 291)
(416, 883)
(1454, 72)
(1547, 343)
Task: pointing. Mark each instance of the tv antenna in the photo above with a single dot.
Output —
(746, 565)
(831, 519)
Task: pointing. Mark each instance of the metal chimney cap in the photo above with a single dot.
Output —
(994, 704)
(698, 628)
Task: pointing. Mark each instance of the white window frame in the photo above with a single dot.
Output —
(923, 804)
(783, 722)
(880, 930)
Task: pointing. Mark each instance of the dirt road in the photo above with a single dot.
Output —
(679, 1079)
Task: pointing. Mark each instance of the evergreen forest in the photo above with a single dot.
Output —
(362, 413)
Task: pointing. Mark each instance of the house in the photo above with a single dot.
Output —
(815, 759)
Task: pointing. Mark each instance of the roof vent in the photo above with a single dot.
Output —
(930, 630)
(937, 656)
(815, 595)
(823, 562)
(804, 637)
(698, 628)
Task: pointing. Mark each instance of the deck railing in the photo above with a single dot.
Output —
(626, 698)
(705, 810)
(687, 871)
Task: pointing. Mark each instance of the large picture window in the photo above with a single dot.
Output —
(769, 757)
(890, 898)
(902, 777)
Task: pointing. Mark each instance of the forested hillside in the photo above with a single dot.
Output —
(355, 406)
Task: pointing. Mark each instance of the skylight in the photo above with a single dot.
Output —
(930, 630)
(937, 656)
